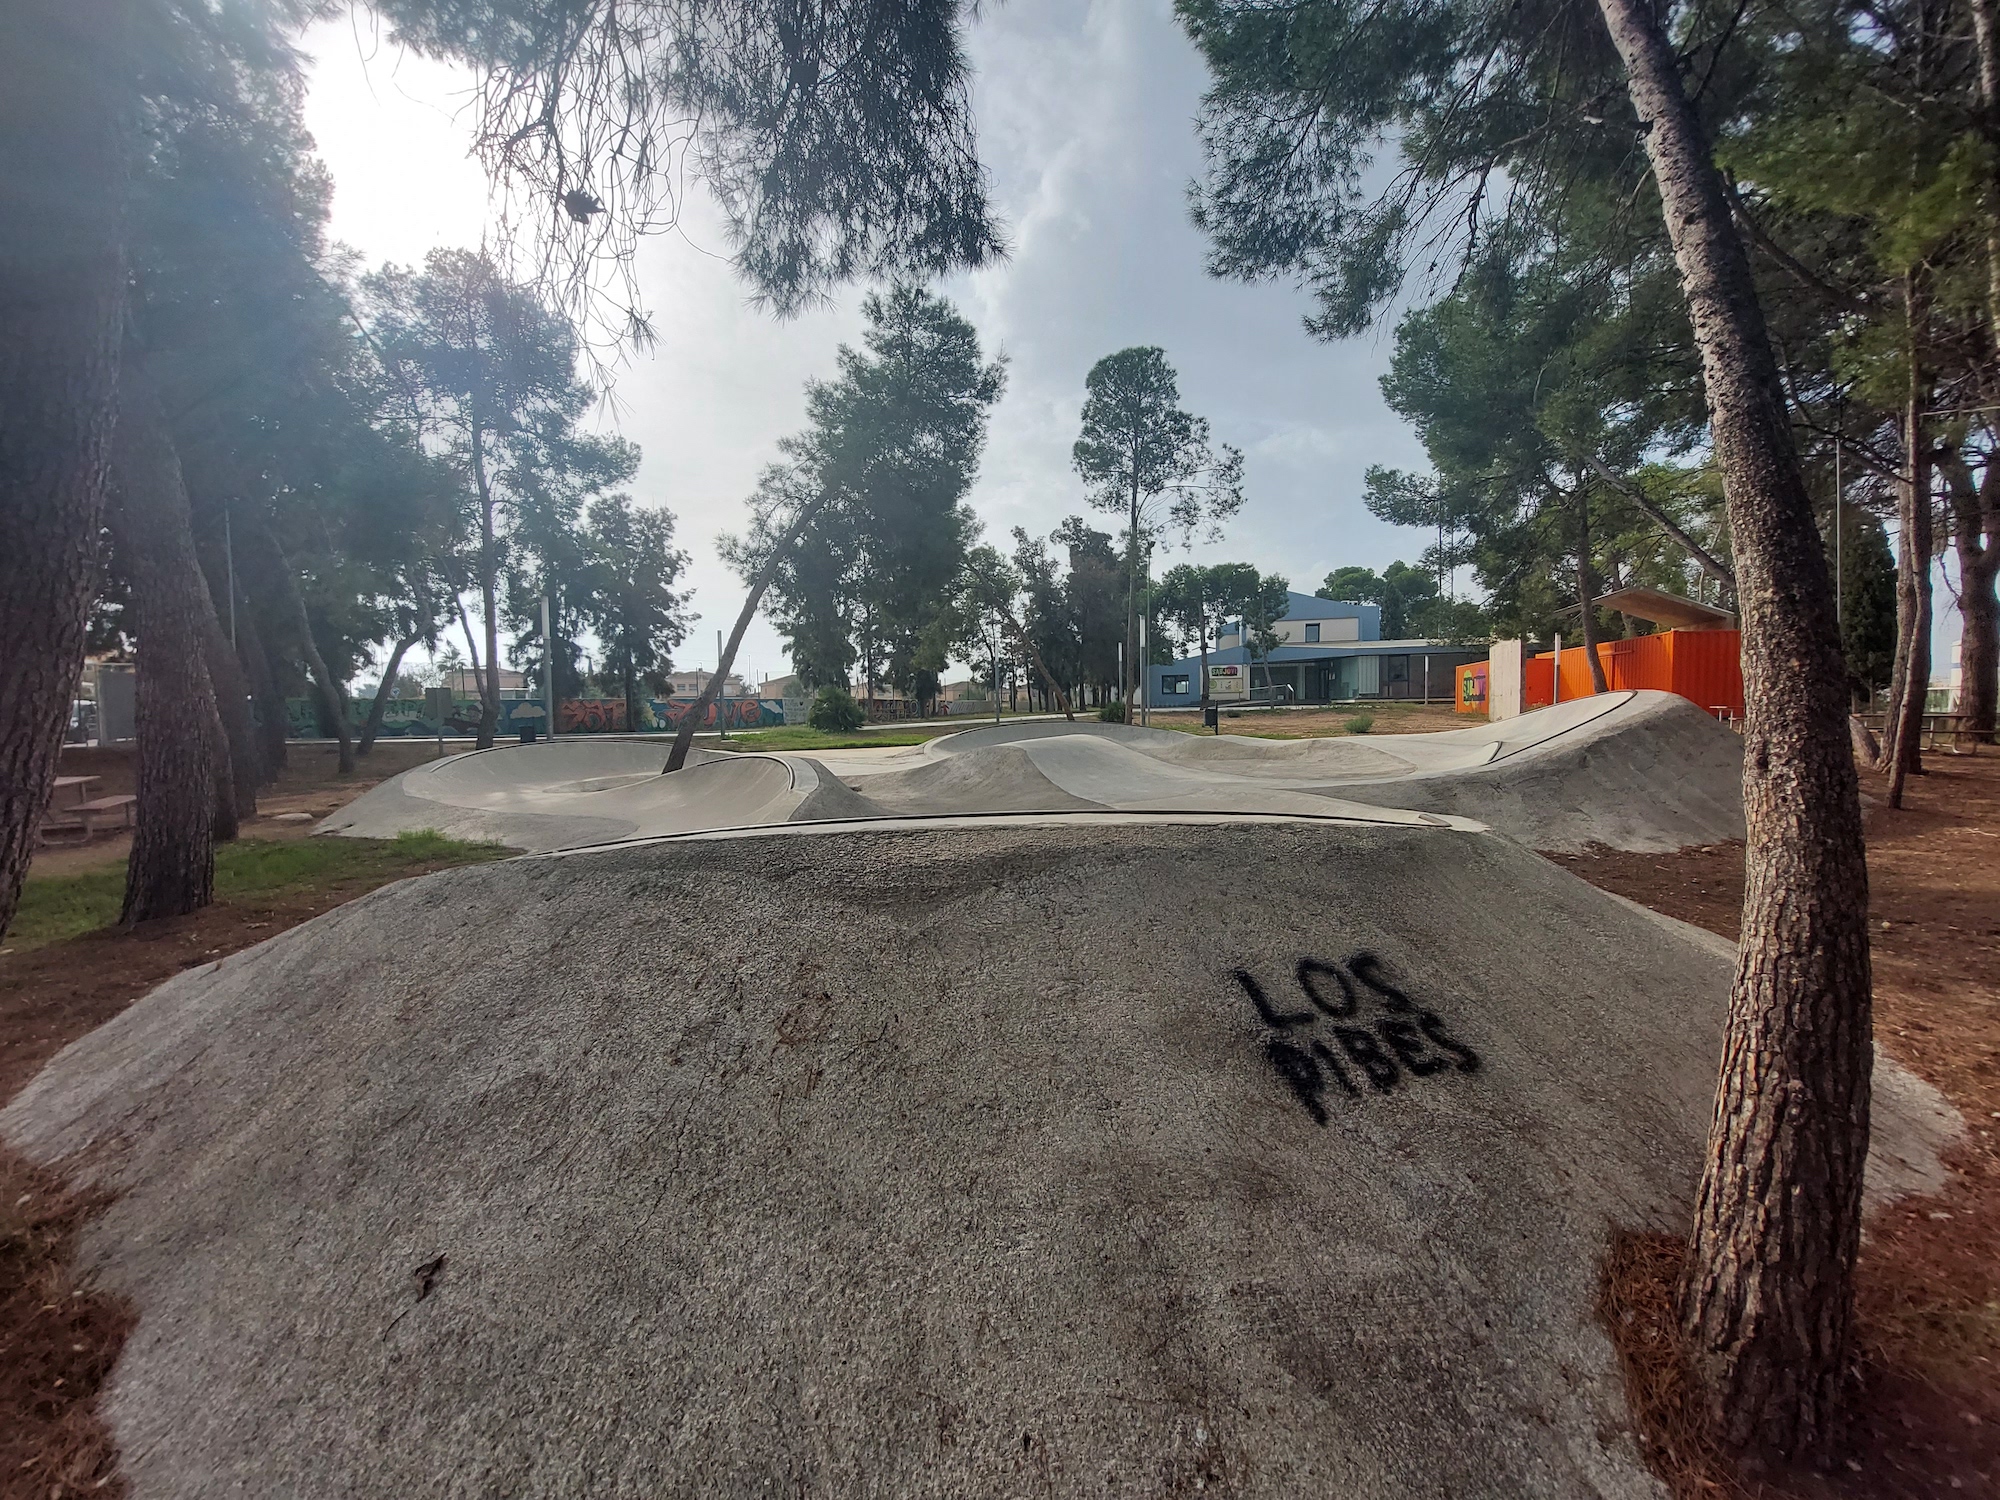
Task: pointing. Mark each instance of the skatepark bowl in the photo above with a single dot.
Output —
(1056, 1109)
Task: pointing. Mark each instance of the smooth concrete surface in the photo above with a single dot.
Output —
(981, 1158)
(1644, 770)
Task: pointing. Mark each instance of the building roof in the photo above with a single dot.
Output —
(1659, 608)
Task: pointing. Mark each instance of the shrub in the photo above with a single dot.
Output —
(834, 711)
(1360, 723)
(1112, 713)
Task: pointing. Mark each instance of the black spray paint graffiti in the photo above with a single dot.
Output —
(1407, 1037)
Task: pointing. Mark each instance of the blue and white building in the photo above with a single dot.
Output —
(1328, 652)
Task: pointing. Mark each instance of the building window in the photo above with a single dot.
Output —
(1312, 634)
(1175, 685)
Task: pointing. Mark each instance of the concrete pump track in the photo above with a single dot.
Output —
(1074, 1113)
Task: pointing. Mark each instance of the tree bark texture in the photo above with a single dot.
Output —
(684, 738)
(1767, 1299)
(65, 118)
(1910, 690)
(172, 865)
(331, 700)
(380, 706)
(1975, 532)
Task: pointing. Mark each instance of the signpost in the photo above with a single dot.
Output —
(437, 708)
(1230, 682)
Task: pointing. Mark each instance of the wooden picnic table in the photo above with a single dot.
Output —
(80, 785)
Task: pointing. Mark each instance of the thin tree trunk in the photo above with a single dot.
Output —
(1586, 593)
(64, 121)
(684, 739)
(489, 590)
(1902, 740)
(274, 726)
(1052, 690)
(232, 704)
(172, 865)
(1986, 43)
(332, 701)
(1768, 1295)
(380, 707)
(1975, 530)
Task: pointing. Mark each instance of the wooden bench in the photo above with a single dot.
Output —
(119, 812)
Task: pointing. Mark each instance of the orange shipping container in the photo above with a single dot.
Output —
(1703, 666)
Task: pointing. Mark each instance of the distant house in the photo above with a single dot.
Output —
(1329, 651)
(693, 684)
(464, 683)
(787, 686)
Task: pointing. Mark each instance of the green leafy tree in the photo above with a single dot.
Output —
(489, 374)
(1868, 601)
(834, 711)
(1148, 460)
(633, 606)
(1493, 113)
(876, 483)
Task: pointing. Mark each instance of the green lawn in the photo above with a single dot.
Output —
(55, 907)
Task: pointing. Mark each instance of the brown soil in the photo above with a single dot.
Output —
(1928, 1420)
(59, 1337)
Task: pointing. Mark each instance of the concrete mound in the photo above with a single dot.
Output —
(1646, 771)
(1093, 1157)
(1001, 778)
(592, 791)
(1631, 770)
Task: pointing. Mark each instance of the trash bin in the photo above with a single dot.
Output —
(1211, 717)
(528, 732)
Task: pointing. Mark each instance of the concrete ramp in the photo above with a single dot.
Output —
(592, 791)
(1644, 771)
(1095, 1157)
(1630, 770)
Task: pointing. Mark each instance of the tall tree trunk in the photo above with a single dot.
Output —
(489, 598)
(239, 730)
(684, 739)
(332, 702)
(65, 115)
(1768, 1295)
(1909, 696)
(273, 718)
(380, 706)
(172, 865)
(1975, 533)
(1986, 43)
(1586, 592)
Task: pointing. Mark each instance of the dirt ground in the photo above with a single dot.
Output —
(1928, 1421)
(309, 788)
(1929, 1278)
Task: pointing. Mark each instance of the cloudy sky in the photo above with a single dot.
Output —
(1084, 110)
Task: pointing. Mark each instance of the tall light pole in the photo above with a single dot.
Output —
(548, 669)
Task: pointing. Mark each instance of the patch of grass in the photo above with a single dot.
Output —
(799, 737)
(54, 907)
(1360, 723)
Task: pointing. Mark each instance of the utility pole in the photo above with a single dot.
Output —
(548, 669)
(229, 556)
(721, 691)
